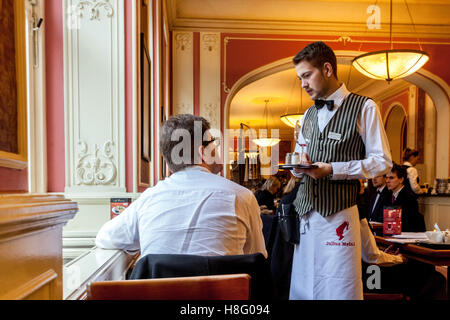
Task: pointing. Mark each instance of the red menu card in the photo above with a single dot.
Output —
(392, 220)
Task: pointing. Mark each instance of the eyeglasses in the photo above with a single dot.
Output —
(215, 140)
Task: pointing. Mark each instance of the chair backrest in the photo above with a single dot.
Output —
(153, 266)
(215, 287)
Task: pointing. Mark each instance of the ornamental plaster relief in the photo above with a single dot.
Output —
(94, 68)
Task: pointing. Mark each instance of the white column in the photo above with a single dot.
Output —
(210, 77)
(412, 116)
(429, 156)
(183, 72)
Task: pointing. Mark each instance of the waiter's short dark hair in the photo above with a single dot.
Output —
(317, 53)
(399, 170)
(169, 138)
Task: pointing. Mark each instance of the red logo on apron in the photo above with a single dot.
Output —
(340, 230)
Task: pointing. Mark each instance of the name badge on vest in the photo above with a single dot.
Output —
(334, 136)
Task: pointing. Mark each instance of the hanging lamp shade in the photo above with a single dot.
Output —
(266, 142)
(390, 64)
(291, 119)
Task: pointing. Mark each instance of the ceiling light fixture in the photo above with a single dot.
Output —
(291, 119)
(391, 64)
(266, 142)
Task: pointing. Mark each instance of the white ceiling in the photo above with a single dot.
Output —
(344, 17)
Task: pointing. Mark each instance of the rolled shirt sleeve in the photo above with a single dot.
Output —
(247, 206)
(122, 232)
(370, 252)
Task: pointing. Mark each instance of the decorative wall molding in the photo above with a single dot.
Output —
(211, 112)
(183, 73)
(94, 68)
(210, 77)
(95, 8)
(183, 41)
(210, 41)
(97, 167)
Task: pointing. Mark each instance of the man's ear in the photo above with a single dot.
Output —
(200, 154)
(328, 69)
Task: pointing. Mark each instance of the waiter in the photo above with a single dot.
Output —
(346, 141)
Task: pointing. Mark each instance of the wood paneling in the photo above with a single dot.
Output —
(8, 79)
(31, 245)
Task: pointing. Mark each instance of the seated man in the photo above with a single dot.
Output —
(412, 220)
(194, 211)
(379, 198)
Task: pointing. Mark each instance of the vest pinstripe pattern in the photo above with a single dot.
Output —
(324, 195)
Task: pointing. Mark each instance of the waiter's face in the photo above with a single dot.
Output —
(314, 80)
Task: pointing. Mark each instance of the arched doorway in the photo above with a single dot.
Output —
(436, 88)
(395, 125)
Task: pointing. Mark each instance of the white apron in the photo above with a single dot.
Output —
(327, 262)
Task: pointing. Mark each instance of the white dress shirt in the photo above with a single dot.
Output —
(412, 176)
(395, 194)
(370, 127)
(191, 212)
(370, 252)
(379, 191)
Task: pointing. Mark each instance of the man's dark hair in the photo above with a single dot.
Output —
(184, 123)
(399, 170)
(317, 53)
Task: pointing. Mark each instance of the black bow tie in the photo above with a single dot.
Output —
(320, 103)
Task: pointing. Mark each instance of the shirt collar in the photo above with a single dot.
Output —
(380, 189)
(339, 95)
(196, 168)
(395, 194)
(407, 163)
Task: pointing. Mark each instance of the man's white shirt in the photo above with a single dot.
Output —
(370, 127)
(191, 212)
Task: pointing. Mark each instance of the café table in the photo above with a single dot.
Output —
(430, 254)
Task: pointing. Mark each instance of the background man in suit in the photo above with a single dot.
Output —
(412, 220)
(379, 198)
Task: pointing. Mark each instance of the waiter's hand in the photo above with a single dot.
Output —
(322, 170)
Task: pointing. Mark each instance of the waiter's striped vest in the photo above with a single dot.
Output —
(324, 195)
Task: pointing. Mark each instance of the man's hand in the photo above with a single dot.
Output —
(322, 170)
(391, 250)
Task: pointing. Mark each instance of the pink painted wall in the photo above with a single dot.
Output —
(401, 98)
(54, 51)
(55, 96)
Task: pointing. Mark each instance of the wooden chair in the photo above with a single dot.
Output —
(214, 287)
